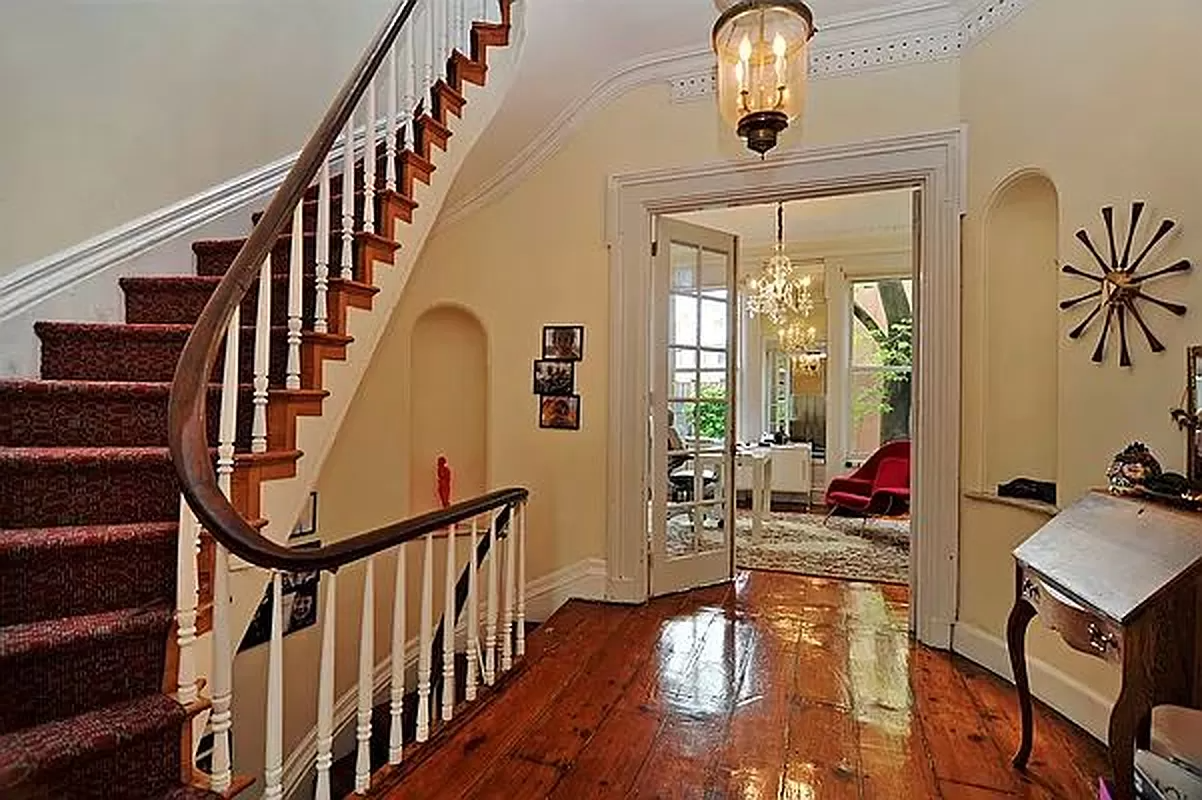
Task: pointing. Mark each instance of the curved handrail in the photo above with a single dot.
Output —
(187, 437)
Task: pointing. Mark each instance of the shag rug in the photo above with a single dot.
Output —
(842, 547)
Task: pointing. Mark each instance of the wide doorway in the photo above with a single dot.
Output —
(932, 163)
(786, 373)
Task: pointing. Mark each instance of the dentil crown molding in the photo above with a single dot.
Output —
(903, 33)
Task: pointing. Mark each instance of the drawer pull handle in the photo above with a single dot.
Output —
(1030, 591)
(1101, 640)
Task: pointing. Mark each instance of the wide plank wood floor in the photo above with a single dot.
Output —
(776, 686)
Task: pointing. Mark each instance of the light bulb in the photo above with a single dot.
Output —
(779, 46)
(745, 48)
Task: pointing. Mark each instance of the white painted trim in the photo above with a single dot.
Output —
(583, 580)
(845, 45)
(932, 161)
(37, 282)
(1066, 694)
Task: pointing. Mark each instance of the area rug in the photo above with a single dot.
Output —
(854, 549)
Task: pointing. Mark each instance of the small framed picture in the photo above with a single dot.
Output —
(563, 342)
(554, 377)
(560, 412)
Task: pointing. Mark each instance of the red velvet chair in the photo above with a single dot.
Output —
(880, 486)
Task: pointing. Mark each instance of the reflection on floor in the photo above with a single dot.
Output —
(808, 544)
(777, 686)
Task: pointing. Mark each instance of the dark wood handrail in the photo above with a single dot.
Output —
(187, 432)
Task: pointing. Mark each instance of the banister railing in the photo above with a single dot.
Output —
(405, 72)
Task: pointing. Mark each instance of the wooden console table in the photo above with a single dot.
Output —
(1121, 580)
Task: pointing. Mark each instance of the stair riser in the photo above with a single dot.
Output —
(137, 358)
(92, 673)
(216, 259)
(157, 759)
(166, 303)
(43, 496)
(72, 581)
(94, 420)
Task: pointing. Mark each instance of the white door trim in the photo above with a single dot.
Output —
(934, 162)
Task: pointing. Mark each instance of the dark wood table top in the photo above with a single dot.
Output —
(1116, 554)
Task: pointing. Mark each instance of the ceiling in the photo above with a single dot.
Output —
(572, 46)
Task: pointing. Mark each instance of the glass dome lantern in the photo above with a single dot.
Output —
(763, 60)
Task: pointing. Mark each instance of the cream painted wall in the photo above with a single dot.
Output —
(1101, 101)
(539, 256)
(114, 109)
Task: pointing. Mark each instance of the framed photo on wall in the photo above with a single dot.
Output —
(563, 342)
(562, 413)
(555, 377)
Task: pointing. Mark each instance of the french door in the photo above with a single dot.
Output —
(694, 341)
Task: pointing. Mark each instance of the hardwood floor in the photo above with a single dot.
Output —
(777, 686)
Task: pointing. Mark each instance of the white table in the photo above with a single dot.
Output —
(760, 463)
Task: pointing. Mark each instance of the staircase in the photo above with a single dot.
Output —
(102, 597)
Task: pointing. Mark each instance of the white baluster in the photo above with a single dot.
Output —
(325, 690)
(369, 163)
(296, 287)
(448, 631)
(481, 9)
(273, 772)
(367, 654)
(321, 307)
(397, 682)
(507, 622)
(490, 613)
(221, 718)
(348, 199)
(186, 601)
(492, 11)
(448, 29)
(473, 617)
(428, 56)
(523, 509)
(463, 28)
(262, 356)
(409, 100)
(390, 144)
(425, 644)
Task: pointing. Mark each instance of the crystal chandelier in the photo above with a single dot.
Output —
(796, 339)
(776, 293)
(763, 61)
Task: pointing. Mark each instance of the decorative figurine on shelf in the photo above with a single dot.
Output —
(444, 482)
(1132, 469)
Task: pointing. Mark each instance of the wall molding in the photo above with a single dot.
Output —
(583, 580)
(848, 45)
(1066, 694)
(37, 282)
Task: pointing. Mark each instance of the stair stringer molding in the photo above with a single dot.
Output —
(284, 500)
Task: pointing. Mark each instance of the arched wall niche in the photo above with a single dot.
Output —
(1021, 240)
(448, 386)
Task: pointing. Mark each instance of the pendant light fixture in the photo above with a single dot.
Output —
(777, 293)
(763, 61)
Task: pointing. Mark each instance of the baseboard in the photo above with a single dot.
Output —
(584, 580)
(1070, 697)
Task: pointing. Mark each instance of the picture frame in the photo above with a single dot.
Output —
(299, 597)
(554, 377)
(306, 526)
(563, 342)
(559, 412)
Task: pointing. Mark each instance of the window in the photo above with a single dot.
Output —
(881, 363)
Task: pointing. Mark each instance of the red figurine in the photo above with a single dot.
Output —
(444, 481)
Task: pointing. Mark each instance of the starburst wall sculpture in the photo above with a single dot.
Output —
(1120, 287)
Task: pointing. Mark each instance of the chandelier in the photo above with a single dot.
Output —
(776, 293)
(809, 363)
(796, 339)
(763, 61)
